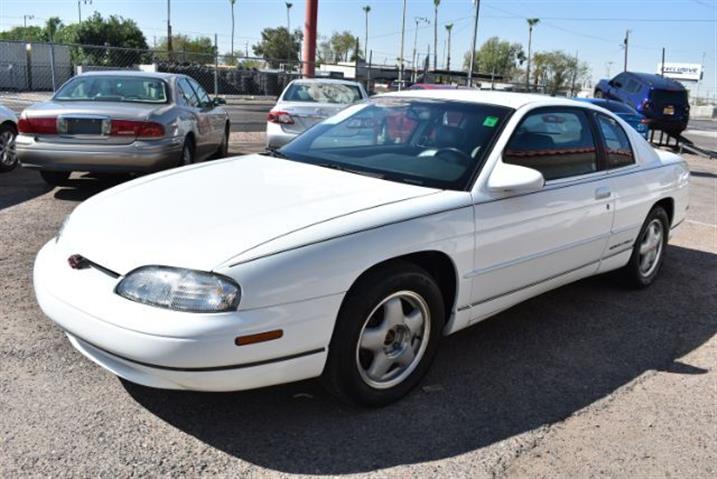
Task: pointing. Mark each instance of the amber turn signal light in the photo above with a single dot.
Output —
(259, 337)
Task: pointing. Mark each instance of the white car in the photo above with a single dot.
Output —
(305, 103)
(351, 251)
(8, 133)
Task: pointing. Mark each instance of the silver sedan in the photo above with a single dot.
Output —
(8, 132)
(122, 122)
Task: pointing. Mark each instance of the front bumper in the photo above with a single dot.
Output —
(173, 350)
(136, 157)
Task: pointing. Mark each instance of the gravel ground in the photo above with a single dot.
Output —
(586, 381)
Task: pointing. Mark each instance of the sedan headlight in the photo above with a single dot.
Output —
(180, 289)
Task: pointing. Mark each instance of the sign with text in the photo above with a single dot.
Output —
(682, 71)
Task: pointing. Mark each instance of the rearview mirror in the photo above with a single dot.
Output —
(507, 179)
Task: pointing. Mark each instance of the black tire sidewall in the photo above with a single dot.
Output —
(13, 165)
(341, 370)
(188, 144)
(632, 270)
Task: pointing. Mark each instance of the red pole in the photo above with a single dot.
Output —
(312, 11)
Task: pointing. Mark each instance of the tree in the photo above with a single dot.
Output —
(232, 2)
(278, 46)
(555, 71)
(497, 56)
(189, 50)
(35, 33)
(104, 34)
(342, 44)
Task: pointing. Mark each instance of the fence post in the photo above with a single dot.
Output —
(216, 67)
(52, 65)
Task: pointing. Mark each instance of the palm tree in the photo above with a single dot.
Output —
(531, 23)
(232, 2)
(449, 27)
(366, 10)
(436, 3)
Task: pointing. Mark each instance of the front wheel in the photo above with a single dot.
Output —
(649, 250)
(8, 159)
(386, 335)
(223, 150)
(187, 152)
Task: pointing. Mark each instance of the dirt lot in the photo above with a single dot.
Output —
(586, 381)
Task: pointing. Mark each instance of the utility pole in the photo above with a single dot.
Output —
(79, 8)
(308, 67)
(400, 60)
(449, 28)
(415, 40)
(288, 16)
(232, 2)
(25, 18)
(626, 45)
(575, 75)
(169, 28)
(473, 44)
(531, 23)
(366, 10)
(662, 65)
(436, 3)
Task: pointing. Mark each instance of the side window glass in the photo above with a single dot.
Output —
(559, 144)
(201, 93)
(187, 93)
(617, 145)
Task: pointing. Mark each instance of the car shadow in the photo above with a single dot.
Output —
(83, 186)
(533, 365)
(20, 185)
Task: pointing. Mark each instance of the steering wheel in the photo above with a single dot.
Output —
(455, 155)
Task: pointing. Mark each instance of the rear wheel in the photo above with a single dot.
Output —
(386, 335)
(8, 159)
(649, 250)
(598, 94)
(223, 150)
(187, 152)
(55, 178)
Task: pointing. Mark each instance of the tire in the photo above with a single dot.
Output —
(223, 150)
(187, 157)
(598, 94)
(397, 313)
(649, 250)
(55, 178)
(8, 158)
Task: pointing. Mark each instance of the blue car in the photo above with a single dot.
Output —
(631, 116)
(661, 100)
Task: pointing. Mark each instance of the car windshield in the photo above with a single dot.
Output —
(114, 89)
(426, 142)
(317, 92)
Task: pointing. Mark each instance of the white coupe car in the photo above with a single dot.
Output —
(351, 251)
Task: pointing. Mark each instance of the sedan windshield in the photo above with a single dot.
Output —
(434, 143)
(114, 89)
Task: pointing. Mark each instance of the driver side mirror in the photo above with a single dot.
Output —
(218, 101)
(507, 179)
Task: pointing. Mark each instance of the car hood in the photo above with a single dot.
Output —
(201, 216)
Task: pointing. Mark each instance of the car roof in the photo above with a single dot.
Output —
(657, 81)
(507, 99)
(132, 73)
(607, 104)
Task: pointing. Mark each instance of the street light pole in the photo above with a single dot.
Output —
(415, 40)
(436, 3)
(79, 8)
(473, 44)
(531, 23)
(288, 16)
(25, 18)
(403, 34)
(626, 45)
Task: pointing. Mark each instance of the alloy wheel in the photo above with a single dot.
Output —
(7, 148)
(651, 246)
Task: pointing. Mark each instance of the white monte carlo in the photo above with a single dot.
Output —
(351, 251)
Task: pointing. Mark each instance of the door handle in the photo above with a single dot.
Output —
(602, 193)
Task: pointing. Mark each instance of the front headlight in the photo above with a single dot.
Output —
(180, 289)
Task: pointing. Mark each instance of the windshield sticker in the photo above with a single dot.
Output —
(490, 121)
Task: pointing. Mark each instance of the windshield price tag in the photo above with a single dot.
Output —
(490, 121)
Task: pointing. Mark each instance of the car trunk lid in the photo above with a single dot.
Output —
(307, 114)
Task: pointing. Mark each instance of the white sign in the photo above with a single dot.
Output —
(682, 71)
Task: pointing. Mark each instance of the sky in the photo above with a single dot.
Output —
(594, 30)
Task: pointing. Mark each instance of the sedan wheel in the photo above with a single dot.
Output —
(393, 340)
(386, 335)
(187, 152)
(649, 250)
(8, 159)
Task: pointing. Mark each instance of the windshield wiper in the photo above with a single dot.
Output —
(275, 153)
(334, 166)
